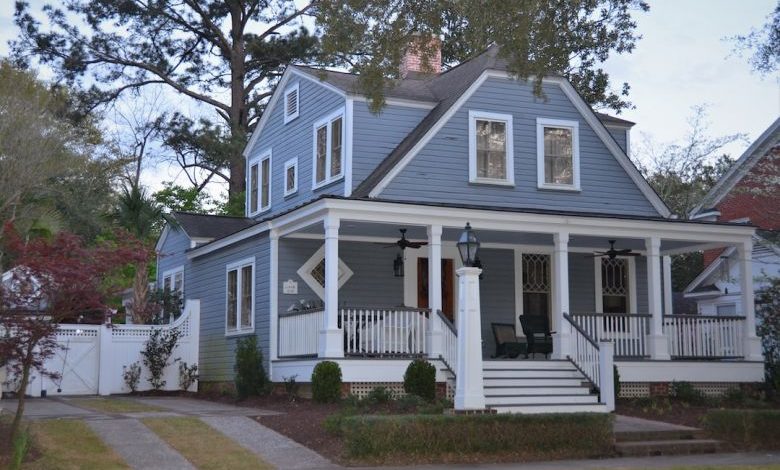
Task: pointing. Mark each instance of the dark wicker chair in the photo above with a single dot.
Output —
(507, 344)
(536, 329)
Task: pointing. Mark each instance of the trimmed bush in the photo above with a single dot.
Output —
(748, 429)
(326, 382)
(451, 438)
(251, 379)
(687, 393)
(420, 379)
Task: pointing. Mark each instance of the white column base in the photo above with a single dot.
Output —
(753, 349)
(658, 347)
(561, 345)
(331, 343)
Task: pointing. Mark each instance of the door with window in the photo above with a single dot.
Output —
(536, 285)
(447, 286)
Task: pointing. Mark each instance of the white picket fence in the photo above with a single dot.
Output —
(92, 357)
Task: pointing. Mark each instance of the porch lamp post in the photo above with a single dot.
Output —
(469, 392)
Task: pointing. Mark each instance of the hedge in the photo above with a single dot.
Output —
(462, 438)
(748, 429)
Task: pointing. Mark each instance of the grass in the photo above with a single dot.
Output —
(70, 444)
(202, 445)
(746, 429)
(113, 405)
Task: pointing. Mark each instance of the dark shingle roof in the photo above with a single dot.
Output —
(607, 120)
(210, 226)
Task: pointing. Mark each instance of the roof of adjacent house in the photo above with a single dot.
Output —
(766, 141)
(210, 226)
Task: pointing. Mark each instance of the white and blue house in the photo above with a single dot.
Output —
(317, 269)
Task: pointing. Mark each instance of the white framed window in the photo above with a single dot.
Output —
(259, 193)
(491, 148)
(291, 103)
(729, 310)
(173, 280)
(558, 154)
(313, 272)
(290, 176)
(615, 280)
(328, 157)
(240, 297)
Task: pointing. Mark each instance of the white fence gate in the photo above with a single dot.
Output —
(92, 357)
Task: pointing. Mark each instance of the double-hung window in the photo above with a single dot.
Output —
(491, 152)
(290, 176)
(259, 197)
(239, 314)
(173, 280)
(558, 154)
(328, 149)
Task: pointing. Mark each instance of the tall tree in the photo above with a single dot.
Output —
(762, 44)
(227, 54)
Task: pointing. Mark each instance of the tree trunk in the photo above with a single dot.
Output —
(141, 293)
(21, 394)
(239, 121)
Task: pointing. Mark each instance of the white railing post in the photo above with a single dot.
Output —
(668, 300)
(657, 342)
(607, 374)
(560, 301)
(469, 391)
(106, 364)
(331, 337)
(434, 337)
(752, 344)
(273, 303)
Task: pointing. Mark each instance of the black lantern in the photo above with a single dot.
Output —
(398, 265)
(468, 246)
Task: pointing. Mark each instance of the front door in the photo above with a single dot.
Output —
(447, 286)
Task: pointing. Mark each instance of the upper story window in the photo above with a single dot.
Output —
(173, 280)
(558, 154)
(290, 176)
(291, 103)
(491, 155)
(328, 149)
(259, 197)
(239, 312)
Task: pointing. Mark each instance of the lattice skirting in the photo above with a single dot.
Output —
(710, 389)
(634, 389)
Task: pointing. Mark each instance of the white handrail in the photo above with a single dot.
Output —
(699, 336)
(595, 360)
(449, 342)
(384, 331)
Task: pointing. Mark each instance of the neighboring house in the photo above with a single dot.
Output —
(319, 272)
(747, 193)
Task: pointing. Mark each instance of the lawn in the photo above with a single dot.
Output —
(112, 405)
(69, 444)
(203, 445)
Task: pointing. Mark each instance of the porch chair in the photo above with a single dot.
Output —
(507, 344)
(536, 329)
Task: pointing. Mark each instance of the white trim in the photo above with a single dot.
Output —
(326, 122)
(349, 124)
(509, 156)
(599, 288)
(266, 154)
(238, 266)
(574, 126)
(287, 91)
(304, 272)
(273, 298)
(628, 141)
(293, 162)
(691, 371)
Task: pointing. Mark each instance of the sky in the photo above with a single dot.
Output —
(682, 60)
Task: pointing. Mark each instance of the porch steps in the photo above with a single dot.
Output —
(672, 442)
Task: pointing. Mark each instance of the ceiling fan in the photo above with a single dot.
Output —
(612, 253)
(403, 243)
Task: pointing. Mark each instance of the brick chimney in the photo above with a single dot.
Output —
(412, 61)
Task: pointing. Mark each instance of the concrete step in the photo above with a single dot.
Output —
(667, 447)
(523, 373)
(521, 391)
(638, 436)
(551, 408)
(519, 400)
(532, 381)
(517, 364)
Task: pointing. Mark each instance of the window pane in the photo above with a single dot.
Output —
(266, 184)
(335, 148)
(558, 166)
(178, 280)
(246, 297)
(167, 283)
(290, 176)
(491, 149)
(232, 299)
(322, 142)
(253, 188)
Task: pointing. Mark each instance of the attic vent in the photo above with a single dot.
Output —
(291, 103)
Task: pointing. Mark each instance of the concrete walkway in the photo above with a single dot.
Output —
(632, 424)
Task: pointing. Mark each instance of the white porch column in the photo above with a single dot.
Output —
(469, 392)
(752, 342)
(273, 281)
(331, 338)
(560, 300)
(657, 343)
(434, 290)
(667, 268)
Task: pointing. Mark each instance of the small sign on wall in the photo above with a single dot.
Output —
(290, 287)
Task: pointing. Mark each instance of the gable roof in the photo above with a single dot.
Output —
(210, 226)
(768, 139)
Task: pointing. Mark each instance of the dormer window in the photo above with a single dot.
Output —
(328, 149)
(491, 156)
(557, 154)
(291, 103)
(259, 194)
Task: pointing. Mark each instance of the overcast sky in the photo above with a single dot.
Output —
(682, 60)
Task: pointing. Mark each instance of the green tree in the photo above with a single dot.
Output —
(175, 198)
(768, 316)
(763, 44)
(227, 55)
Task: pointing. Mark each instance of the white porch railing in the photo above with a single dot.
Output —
(299, 333)
(627, 331)
(710, 337)
(595, 360)
(449, 342)
(384, 331)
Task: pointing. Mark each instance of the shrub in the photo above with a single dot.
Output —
(380, 395)
(251, 379)
(748, 429)
(687, 393)
(420, 379)
(132, 375)
(616, 379)
(187, 375)
(416, 438)
(291, 387)
(326, 382)
(157, 352)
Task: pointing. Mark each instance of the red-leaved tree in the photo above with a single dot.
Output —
(53, 280)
